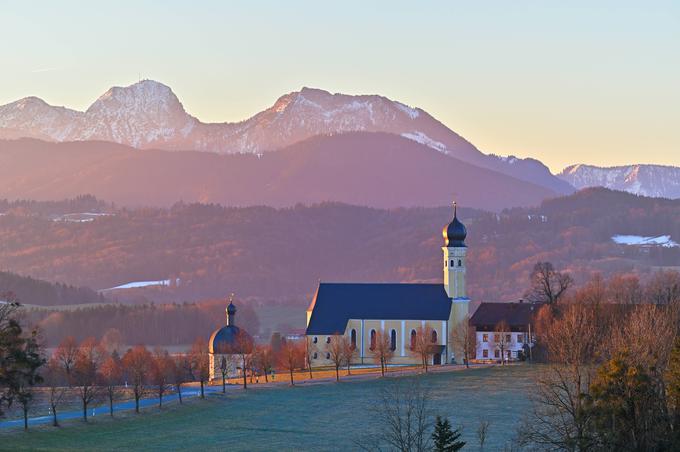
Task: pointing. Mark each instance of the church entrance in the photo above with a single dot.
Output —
(437, 359)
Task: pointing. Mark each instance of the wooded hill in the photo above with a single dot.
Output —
(281, 254)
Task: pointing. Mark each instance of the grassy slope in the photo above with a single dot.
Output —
(318, 417)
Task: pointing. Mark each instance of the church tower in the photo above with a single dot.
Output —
(454, 278)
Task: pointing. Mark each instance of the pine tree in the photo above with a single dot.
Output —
(445, 439)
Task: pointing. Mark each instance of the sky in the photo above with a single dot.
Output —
(564, 82)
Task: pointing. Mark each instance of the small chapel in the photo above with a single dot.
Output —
(360, 310)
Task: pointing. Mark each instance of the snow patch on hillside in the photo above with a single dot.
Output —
(410, 111)
(138, 284)
(421, 138)
(637, 240)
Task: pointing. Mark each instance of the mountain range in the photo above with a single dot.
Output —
(657, 181)
(361, 168)
(148, 115)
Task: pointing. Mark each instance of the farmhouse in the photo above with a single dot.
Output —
(504, 330)
(363, 312)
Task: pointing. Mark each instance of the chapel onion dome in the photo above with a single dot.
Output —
(223, 340)
(455, 232)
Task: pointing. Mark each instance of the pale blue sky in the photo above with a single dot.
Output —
(565, 82)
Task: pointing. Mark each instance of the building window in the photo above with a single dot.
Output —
(315, 355)
(393, 340)
(520, 338)
(496, 353)
(328, 356)
(451, 262)
(315, 340)
(434, 337)
(509, 354)
(353, 338)
(460, 262)
(485, 338)
(485, 353)
(507, 338)
(413, 339)
(496, 338)
(372, 347)
(328, 340)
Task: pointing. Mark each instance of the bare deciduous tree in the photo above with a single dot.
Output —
(404, 418)
(482, 432)
(181, 371)
(501, 331)
(382, 351)
(199, 360)
(291, 357)
(111, 376)
(264, 358)
(423, 345)
(547, 284)
(136, 368)
(464, 339)
(243, 347)
(336, 350)
(66, 353)
(349, 352)
(161, 373)
(85, 372)
(57, 387)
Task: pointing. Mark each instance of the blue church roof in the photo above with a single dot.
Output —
(335, 303)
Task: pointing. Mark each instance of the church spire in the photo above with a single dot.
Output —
(231, 311)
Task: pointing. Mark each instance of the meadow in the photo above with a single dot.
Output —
(306, 417)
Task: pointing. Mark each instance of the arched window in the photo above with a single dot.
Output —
(413, 339)
(372, 347)
(353, 338)
(328, 340)
(460, 263)
(315, 355)
(451, 262)
(393, 340)
(328, 356)
(434, 337)
(316, 339)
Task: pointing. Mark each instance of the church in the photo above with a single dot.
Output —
(360, 310)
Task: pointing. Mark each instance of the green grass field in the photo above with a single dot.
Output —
(312, 417)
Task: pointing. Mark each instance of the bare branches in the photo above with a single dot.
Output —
(548, 285)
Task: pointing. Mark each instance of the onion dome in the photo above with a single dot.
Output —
(223, 340)
(455, 232)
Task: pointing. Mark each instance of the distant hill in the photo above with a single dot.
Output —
(279, 255)
(148, 115)
(369, 169)
(32, 291)
(647, 180)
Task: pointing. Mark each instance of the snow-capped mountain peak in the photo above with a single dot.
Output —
(148, 114)
(646, 180)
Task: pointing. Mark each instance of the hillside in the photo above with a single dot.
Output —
(280, 254)
(31, 291)
(369, 169)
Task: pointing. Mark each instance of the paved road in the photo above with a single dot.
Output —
(104, 409)
(194, 391)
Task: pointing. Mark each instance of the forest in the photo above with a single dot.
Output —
(263, 252)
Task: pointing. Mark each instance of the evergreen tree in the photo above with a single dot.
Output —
(446, 439)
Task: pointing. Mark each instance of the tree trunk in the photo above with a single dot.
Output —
(136, 402)
(84, 410)
(55, 423)
(291, 378)
(25, 407)
(160, 399)
(266, 379)
(309, 363)
(111, 401)
(179, 392)
(202, 393)
(224, 384)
